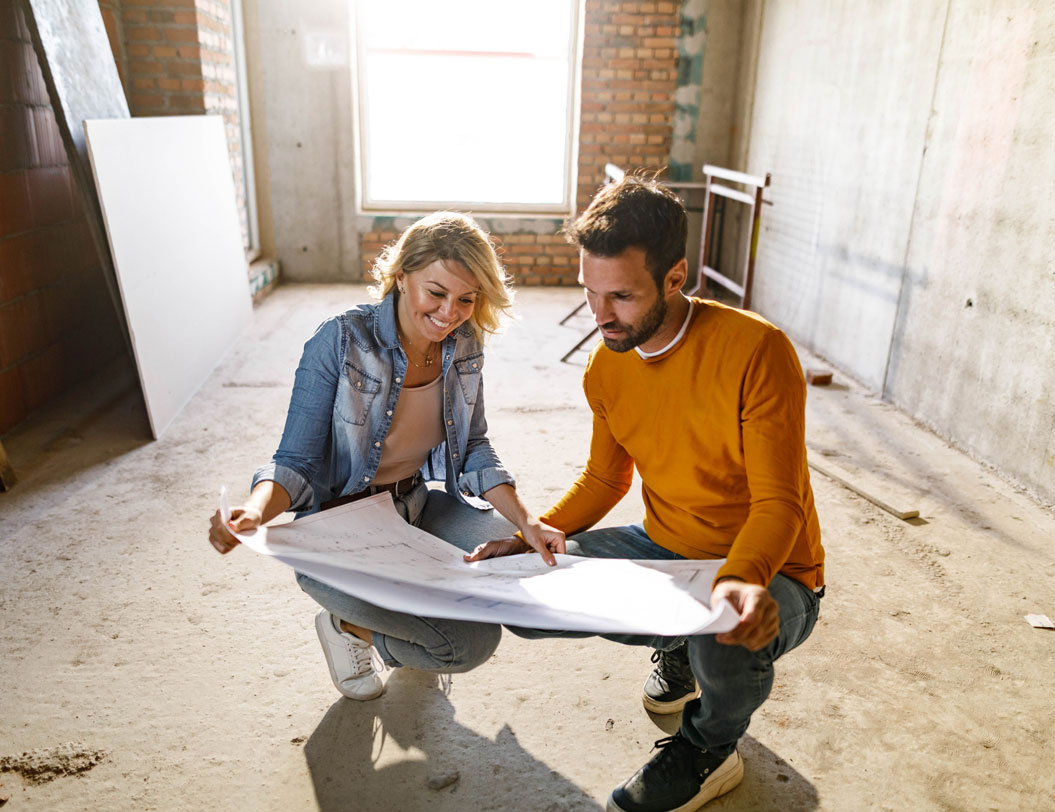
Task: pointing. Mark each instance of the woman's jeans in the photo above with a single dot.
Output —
(733, 681)
(428, 644)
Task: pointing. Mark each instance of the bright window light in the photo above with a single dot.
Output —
(467, 103)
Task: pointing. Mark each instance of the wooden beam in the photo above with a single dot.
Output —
(875, 500)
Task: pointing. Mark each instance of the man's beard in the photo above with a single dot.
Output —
(637, 334)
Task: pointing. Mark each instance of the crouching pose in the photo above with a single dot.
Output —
(708, 402)
(387, 396)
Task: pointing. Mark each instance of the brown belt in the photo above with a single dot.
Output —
(397, 489)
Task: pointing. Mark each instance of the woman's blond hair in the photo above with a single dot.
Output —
(449, 236)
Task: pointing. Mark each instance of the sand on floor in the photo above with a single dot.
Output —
(139, 670)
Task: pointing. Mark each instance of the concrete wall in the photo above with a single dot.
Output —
(909, 241)
(722, 66)
(302, 118)
(973, 353)
(840, 114)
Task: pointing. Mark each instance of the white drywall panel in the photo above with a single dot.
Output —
(168, 203)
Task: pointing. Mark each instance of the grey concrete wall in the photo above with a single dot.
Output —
(912, 157)
(718, 91)
(303, 119)
(840, 114)
(973, 352)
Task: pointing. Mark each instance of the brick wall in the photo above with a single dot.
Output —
(180, 61)
(111, 11)
(57, 323)
(629, 75)
(532, 259)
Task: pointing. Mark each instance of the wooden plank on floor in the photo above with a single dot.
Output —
(874, 492)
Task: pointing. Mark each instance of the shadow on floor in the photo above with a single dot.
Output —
(344, 751)
(93, 423)
(769, 783)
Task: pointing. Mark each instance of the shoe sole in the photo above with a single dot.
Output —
(320, 619)
(666, 708)
(726, 778)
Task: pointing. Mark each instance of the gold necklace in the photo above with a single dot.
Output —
(428, 355)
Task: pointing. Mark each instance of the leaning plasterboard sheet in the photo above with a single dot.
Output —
(168, 203)
(367, 550)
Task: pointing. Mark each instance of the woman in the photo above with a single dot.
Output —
(386, 395)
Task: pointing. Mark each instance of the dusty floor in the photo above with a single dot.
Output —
(175, 679)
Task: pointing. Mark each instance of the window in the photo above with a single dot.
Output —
(468, 104)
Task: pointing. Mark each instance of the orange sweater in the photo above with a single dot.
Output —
(716, 427)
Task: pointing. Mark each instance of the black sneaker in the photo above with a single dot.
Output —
(671, 683)
(679, 778)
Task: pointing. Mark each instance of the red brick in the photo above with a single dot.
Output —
(24, 329)
(143, 66)
(12, 400)
(43, 377)
(15, 213)
(17, 265)
(19, 145)
(181, 35)
(50, 148)
(136, 33)
(49, 195)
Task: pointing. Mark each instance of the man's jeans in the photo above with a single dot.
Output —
(733, 681)
(427, 644)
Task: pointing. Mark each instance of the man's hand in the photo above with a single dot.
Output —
(497, 548)
(759, 614)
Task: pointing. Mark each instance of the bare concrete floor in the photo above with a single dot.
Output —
(179, 680)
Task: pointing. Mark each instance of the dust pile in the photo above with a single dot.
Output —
(48, 763)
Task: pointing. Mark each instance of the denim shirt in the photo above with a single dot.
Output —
(344, 398)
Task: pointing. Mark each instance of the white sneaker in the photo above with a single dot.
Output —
(350, 659)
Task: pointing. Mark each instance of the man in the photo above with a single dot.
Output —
(709, 403)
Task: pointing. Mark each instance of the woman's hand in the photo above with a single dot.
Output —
(544, 540)
(539, 537)
(497, 548)
(242, 520)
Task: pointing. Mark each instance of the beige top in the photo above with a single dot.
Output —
(417, 428)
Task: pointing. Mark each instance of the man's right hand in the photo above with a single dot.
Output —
(497, 548)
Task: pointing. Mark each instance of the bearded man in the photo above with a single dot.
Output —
(708, 402)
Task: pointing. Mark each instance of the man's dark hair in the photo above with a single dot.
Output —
(637, 212)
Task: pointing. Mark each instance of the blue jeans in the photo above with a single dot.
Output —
(733, 681)
(427, 644)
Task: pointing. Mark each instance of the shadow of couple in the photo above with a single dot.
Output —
(405, 751)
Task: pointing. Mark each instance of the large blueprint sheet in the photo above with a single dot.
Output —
(365, 549)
